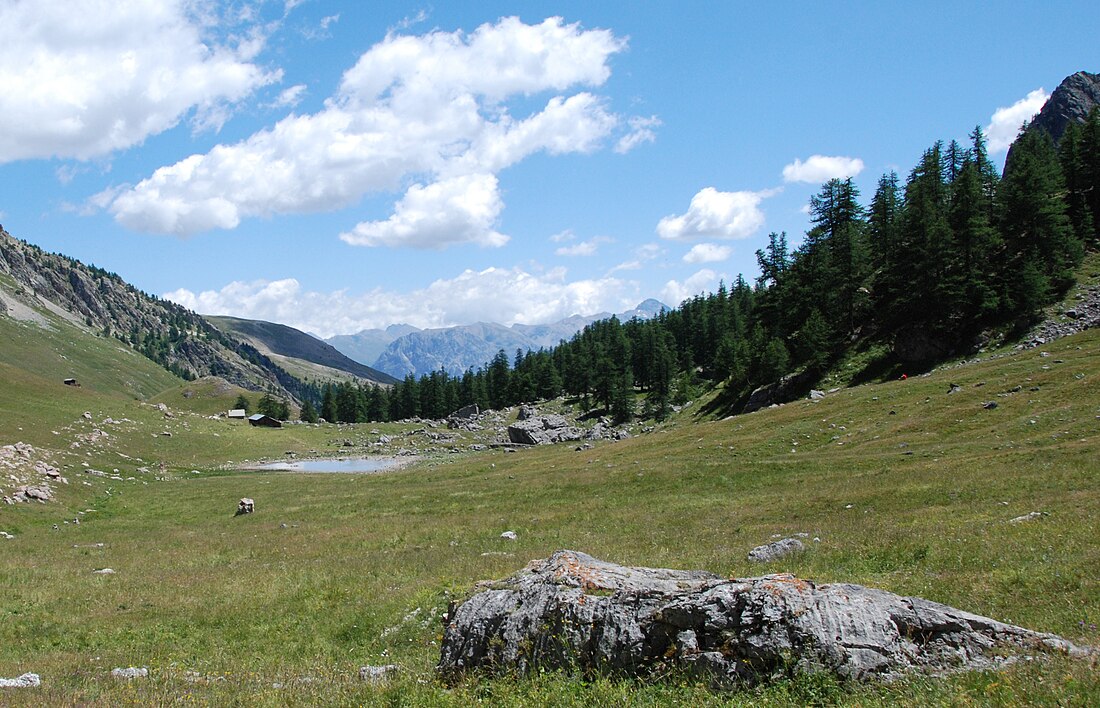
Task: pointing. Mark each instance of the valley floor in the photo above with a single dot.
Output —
(911, 486)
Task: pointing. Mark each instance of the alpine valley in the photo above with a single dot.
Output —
(867, 475)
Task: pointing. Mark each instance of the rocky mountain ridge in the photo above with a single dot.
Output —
(366, 345)
(1071, 102)
(101, 302)
(421, 351)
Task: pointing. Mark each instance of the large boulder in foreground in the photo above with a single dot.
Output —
(574, 611)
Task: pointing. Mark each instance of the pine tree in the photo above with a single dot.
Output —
(774, 361)
(727, 362)
(377, 405)
(813, 342)
(1034, 223)
(978, 244)
(988, 175)
(772, 285)
(836, 257)
(1090, 171)
(1074, 157)
(612, 377)
(497, 381)
(919, 279)
(953, 159)
(882, 221)
(408, 398)
(269, 406)
(663, 364)
(328, 404)
(347, 403)
(548, 381)
(308, 413)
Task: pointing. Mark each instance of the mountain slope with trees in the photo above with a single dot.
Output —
(933, 266)
(102, 303)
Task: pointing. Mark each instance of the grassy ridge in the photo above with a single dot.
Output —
(910, 488)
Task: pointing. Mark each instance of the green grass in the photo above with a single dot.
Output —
(208, 396)
(365, 565)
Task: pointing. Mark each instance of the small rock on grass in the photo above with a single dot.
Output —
(775, 550)
(378, 675)
(1029, 517)
(27, 680)
(509, 535)
(104, 571)
(130, 672)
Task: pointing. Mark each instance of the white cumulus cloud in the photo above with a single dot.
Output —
(675, 292)
(714, 214)
(1005, 124)
(642, 254)
(642, 130)
(430, 110)
(707, 253)
(822, 168)
(290, 96)
(455, 210)
(471, 296)
(82, 79)
(582, 248)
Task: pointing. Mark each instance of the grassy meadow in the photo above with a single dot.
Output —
(909, 488)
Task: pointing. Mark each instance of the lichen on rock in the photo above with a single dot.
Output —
(574, 611)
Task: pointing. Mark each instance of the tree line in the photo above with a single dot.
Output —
(926, 267)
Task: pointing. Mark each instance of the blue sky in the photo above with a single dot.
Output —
(337, 166)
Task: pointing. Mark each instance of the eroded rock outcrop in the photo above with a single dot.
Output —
(785, 390)
(1071, 102)
(572, 610)
(543, 430)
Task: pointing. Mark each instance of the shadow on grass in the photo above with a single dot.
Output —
(727, 402)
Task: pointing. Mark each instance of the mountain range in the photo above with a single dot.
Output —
(400, 350)
(252, 354)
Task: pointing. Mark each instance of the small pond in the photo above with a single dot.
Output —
(344, 465)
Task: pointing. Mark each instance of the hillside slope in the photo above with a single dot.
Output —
(46, 346)
(278, 340)
(97, 301)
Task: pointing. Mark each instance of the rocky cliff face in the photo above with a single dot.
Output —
(1071, 102)
(101, 302)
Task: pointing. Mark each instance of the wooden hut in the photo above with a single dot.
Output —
(265, 421)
